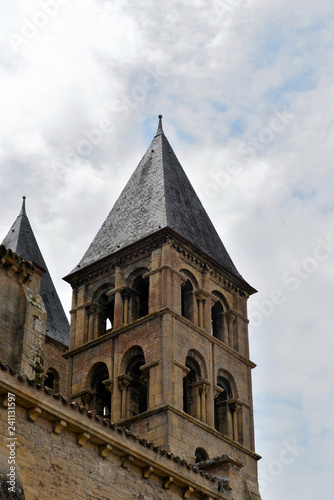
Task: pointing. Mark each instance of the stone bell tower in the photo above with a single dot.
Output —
(159, 329)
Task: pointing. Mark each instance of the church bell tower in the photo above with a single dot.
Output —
(159, 328)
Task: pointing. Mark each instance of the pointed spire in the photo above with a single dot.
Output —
(21, 240)
(157, 196)
(23, 208)
(160, 129)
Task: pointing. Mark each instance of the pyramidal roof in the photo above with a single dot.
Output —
(21, 240)
(158, 195)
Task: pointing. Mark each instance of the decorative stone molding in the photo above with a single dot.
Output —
(91, 308)
(127, 461)
(231, 316)
(148, 366)
(16, 267)
(58, 426)
(163, 268)
(168, 482)
(82, 438)
(217, 390)
(105, 450)
(187, 492)
(148, 471)
(34, 413)
(183, 367)
(124, 381)
(122, 289)
(202, 383)
(86, 396)
(108, 384)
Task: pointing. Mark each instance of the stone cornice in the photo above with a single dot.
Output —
(18, 268)
(195, 421)
(144, 247)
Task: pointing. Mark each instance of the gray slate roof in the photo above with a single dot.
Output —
(158, 195)
(21, 240)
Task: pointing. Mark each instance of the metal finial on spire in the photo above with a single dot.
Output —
(23, 208)
(160, 129)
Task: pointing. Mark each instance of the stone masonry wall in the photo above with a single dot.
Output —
(62, 452)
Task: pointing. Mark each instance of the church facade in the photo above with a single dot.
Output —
(151, 387)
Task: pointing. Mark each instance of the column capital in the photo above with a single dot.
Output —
(202, 384)
(108, 384)
(124, 381)
(231, 316)
(217, 390)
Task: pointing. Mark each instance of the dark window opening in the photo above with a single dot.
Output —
(52, 380)
(217, 321)
(200, 455)
(138, 400)
(187, 300)
(101, 395)
(222, 414)
(190, 394)
(106, 314)
(140, 301)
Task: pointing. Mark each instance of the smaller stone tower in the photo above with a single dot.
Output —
(159, 328)
(33, 323)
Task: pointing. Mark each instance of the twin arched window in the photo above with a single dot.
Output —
(219, 308)
(101, 311)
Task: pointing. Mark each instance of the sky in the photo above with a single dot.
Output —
(246, 90)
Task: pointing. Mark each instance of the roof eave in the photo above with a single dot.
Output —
(72, 277)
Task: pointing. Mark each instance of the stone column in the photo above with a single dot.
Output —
(91, 310)
(235, 408)
(118, 307)
(124, 382)
(181, 372)
(200, 312)
(229, 420)
(166, 276)
(230, 316)
(155, 291)
(203, 393)
(73, 313)
(126, 298)
(207, 302)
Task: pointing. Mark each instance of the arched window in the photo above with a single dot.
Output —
(223, 415)
(200, 455)
(101, 396)
(138, 388)
(191, 389)
(218, 317)
(106, 314)
(187, 300)
(140, 299)
(217, 320)
(52, 380)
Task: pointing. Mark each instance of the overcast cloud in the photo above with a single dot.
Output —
(246, 90)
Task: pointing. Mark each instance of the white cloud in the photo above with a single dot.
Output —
(219, 72)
